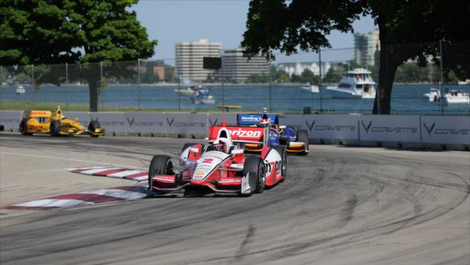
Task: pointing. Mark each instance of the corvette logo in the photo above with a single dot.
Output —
(170, 122)
(130, 121)
(310, 126)
(366, 127)
(429, 129)
(213, 122)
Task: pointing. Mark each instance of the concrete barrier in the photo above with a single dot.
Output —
(355, 129)
(11, 120)
(445, 130)
(389, 128)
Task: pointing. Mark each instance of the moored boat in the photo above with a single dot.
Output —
(358, 84)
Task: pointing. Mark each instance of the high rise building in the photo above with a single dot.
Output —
(238, 68)
(189, 58)
(365, 48)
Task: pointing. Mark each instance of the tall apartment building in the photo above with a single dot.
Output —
(365, 48)
(189, 58)
(237, 67)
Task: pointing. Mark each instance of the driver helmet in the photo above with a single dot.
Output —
(265, 122)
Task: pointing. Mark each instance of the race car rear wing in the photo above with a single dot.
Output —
(255, 119)
(242, 134)
(39, 114)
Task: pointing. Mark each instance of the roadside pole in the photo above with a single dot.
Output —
(320, 82)
(270, 87)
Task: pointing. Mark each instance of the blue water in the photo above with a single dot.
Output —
(407, 99)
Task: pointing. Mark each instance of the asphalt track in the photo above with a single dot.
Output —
(339, 205)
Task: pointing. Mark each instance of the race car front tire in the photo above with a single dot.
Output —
(55, 128)
(257, 179)
(24, 127)
(160, 164)
(302, 136)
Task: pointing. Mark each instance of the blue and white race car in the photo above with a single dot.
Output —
(294, 141)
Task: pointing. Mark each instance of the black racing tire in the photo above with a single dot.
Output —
(160, 164)
(283, 154)
(55, 128)
(92, 126)
(302, 136)
(255, 166)
(24, 127)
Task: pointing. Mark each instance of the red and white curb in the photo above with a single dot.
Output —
(138, 175)
(96, 196)
(85, 198)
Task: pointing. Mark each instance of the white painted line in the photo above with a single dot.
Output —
(93, 171)
(117, 193)
(143, 178)
(78, 168)
(54, 203)
(125, 173)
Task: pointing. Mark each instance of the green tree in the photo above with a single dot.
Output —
(169, 74)
(306, 24)
(281, 76)
(308, 76)
(334, 74)
(257, 78)
(64, 31)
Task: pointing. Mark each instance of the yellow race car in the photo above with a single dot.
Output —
(44, 121)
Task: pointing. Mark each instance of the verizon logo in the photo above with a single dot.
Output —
(243, 133)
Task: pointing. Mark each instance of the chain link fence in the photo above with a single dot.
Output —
(306, 82)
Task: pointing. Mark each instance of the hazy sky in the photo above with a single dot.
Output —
(171, 21)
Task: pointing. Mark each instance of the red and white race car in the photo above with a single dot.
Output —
(222, 165)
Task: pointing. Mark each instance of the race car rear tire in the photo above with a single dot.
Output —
(283, 154)
(24, 127)
(92, 126)
(302, 136)
(160, 164)
(257, 180)
(55, 128)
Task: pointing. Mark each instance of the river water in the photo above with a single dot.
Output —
(406, 99)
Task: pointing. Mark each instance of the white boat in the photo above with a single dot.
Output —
(190, 90)
(311, 88)
(202, 98)
(450, 97)
(20, 89)
(356, 84)
(456, 97)
(434, 95)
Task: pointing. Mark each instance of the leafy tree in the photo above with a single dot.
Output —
(149, 76)
(281, 76)
(305, 25)
(334, 74)
(295, 78)
(258, 78)
(308, 76)
(169, 74)
(64, 31)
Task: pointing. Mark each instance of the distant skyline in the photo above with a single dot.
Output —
(171, 21)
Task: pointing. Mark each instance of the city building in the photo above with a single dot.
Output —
(189, 58)
(365, 48)
(238, 68)
(298, 68)
(157, 67)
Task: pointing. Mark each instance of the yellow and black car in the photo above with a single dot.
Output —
(56, 124)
